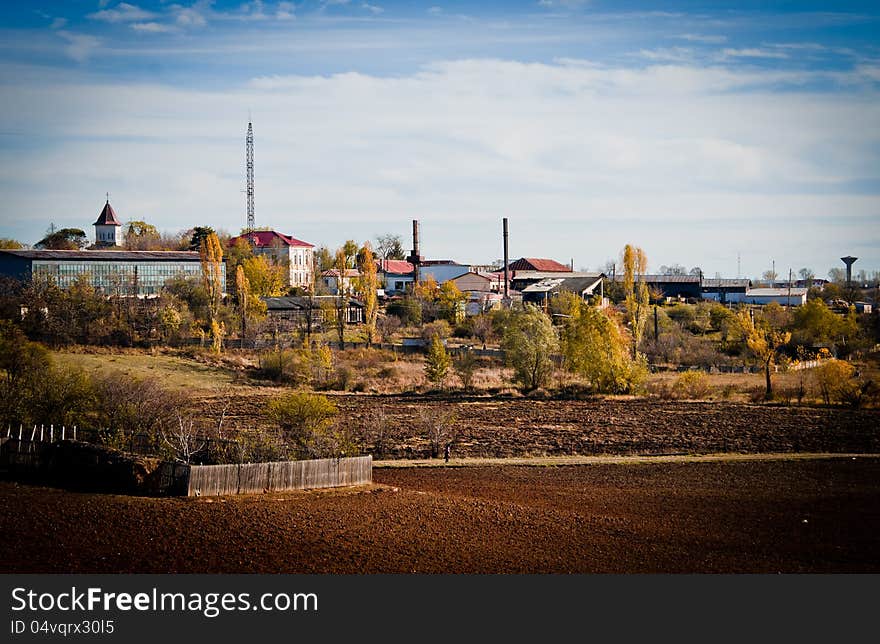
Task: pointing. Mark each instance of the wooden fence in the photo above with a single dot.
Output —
(257, 478)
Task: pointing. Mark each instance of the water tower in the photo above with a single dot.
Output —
(849, 261)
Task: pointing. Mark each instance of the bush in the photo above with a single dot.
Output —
(439, 328)
(693, 385)
(833, 380)
(437, 362)
(466, 366)
(307, 423)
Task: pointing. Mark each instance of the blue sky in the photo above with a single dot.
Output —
(699, 131)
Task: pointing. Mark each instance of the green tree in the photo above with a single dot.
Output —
(139, 235)
(390, 246)
(437, 361)
(529, 342)
(199, 235)
(637, 298)
(595, 347)
(64, 239)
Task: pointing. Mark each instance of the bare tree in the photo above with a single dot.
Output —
(183, 440)
(438, 426)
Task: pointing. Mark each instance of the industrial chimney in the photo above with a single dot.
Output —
(506, 261)
(415, 257)
(849, 261)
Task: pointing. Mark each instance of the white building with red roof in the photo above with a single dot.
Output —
(108, 229)
(297, 255)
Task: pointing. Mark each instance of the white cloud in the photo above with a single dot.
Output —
(568, 4)
(123, 12)
(285, 11)
(58, 23)
(375, 10)
(193, 16)
(435, 11)
(753, 53)
(582, 157)
(80, 46)
(713, 39)
(152, 27)
(674, 54)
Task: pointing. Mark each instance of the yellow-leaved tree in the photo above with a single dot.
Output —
(211, 256)
(635, 263)
(367, 285)
(765, 342)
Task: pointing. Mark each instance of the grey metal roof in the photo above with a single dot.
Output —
(108, 255)
(573, 284)
(667, 279)
(726, 283)
(301, 303)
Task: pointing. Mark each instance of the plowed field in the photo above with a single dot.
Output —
(758, 516)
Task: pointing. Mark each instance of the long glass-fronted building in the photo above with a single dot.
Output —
(113, 272)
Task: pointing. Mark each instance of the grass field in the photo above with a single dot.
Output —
(175, 372)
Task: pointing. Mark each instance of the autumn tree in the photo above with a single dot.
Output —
(529, 341)
(266, 278)
(765, 342)
(367, 285)
(451, 302)
(211, 257)
(249, 307)
(199, 234)
(341, 265)
(636, 295)
(596, 347)
(437, 361)
(10, 244)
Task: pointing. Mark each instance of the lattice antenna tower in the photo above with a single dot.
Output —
(250, 177)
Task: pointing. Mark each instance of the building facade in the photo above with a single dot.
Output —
(138, 273)
(296, 255)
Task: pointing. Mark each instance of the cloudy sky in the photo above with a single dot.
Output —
(702, 132)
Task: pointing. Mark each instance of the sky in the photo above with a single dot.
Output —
(734, 136)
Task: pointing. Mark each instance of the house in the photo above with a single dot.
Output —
(584, 286)
(675, 286)
(441, 270)
(332, 282)
(299, 308)
(473, 282)
(784, 296)
(395, 275)
(108, 229)
(298, 256)
(721, 290)
(537, 264)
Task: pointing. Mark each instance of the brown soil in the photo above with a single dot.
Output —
(755, 516)
(507, 427)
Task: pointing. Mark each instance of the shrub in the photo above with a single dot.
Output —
(692, 384)
(528, 342)
(466, 366)
(437, 362)
(306, 422)
(439, 328)
(833, 379)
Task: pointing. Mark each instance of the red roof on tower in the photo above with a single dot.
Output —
(107, 216)
(264, 239)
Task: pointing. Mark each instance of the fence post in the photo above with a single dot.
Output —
(51, 433)
(62, 432)
(41, 433)
(74, 432)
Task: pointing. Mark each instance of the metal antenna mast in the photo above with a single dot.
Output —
(250, 177)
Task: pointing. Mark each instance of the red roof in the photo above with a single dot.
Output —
(107, 216)
(538, 264)
(334, 272)
(264, 239)
(394, 266)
